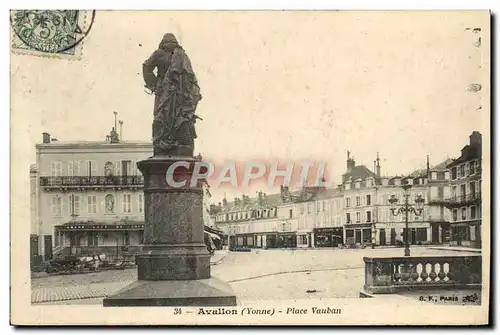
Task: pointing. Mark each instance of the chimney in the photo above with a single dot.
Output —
(475, 139)
(46, 138)
(224, 202)
(236, 201)
(220, 204)
(260, 198)
(350, 162)
(378, 166)
(121, 129)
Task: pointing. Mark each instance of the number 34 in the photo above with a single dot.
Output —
(177, 311)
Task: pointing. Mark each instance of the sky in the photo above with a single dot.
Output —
(289, 86)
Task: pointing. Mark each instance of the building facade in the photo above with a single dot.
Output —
(88, 195)
(464, 201)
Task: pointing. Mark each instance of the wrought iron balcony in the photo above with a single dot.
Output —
(466, 199)
(93, 181)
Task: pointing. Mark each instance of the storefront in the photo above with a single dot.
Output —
(466, 234)
(358, 233)
(305, 238)
(281, 240)
(393, 233)
(328, 237)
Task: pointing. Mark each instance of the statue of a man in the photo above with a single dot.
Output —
(176, 96)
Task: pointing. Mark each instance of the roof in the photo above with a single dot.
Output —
(93, 144)
(442, 165)
(468, 153)
(268, 200)
(358, 172)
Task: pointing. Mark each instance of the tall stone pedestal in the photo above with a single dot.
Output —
(174, 269)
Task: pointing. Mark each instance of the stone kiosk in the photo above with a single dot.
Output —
(174, 268)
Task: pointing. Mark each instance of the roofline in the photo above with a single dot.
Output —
(96, 144)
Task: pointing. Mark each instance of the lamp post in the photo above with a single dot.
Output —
(406, 209)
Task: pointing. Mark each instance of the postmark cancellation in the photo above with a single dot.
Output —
(50, 33)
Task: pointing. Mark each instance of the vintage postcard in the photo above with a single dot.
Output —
(250, 167)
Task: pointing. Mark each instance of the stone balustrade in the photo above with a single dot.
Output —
(399, 274)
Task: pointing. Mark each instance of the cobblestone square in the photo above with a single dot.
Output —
(256, 275)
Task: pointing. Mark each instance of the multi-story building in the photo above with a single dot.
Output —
(367, 215)
(88, 195)
(307, 217)
(465, 194)
(438, 180)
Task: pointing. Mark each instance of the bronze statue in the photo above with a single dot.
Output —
(176, 97)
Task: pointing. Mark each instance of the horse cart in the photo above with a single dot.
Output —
(75, 264)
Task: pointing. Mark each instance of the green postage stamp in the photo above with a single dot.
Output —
(50, 33)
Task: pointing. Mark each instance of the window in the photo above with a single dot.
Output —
(303, 239)
(118, 168)
(93, 239)
(434, 175)
(478, 166)
(454, 173)
(455, 214)
(368, 199)
(462, 170)
(318, 204)
(92, 204)
(472, 166)
(302, 209)
(56, 169)
(140, 202)
(291, 213)
(358, 201)
(358, 217)
(73, 168)
(472, 188)
(464, 213)
(127, 206)
(447, 175)
(309, 205)
(92, 168)
(74, 205)
(56, 206)
(347, 202)
(368, 183)
(126, 238)
(473, 212)
(358, 184)
(421, 234)
(347, 186)
(453, 191)
(324, 206)
(368, 216)
(466, 165)
(348, 217)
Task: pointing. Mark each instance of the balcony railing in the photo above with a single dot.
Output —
(464, 199)
(80, 181)
(398, 274)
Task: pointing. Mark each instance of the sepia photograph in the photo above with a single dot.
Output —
(250, 167)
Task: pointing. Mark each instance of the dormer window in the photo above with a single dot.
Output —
(358, 184)
(397, 181)
(348, 186)
(369, 182)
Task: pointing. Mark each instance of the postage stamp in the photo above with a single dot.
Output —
(50, 33)
(251, 168)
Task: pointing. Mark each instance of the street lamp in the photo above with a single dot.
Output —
(406, 209)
